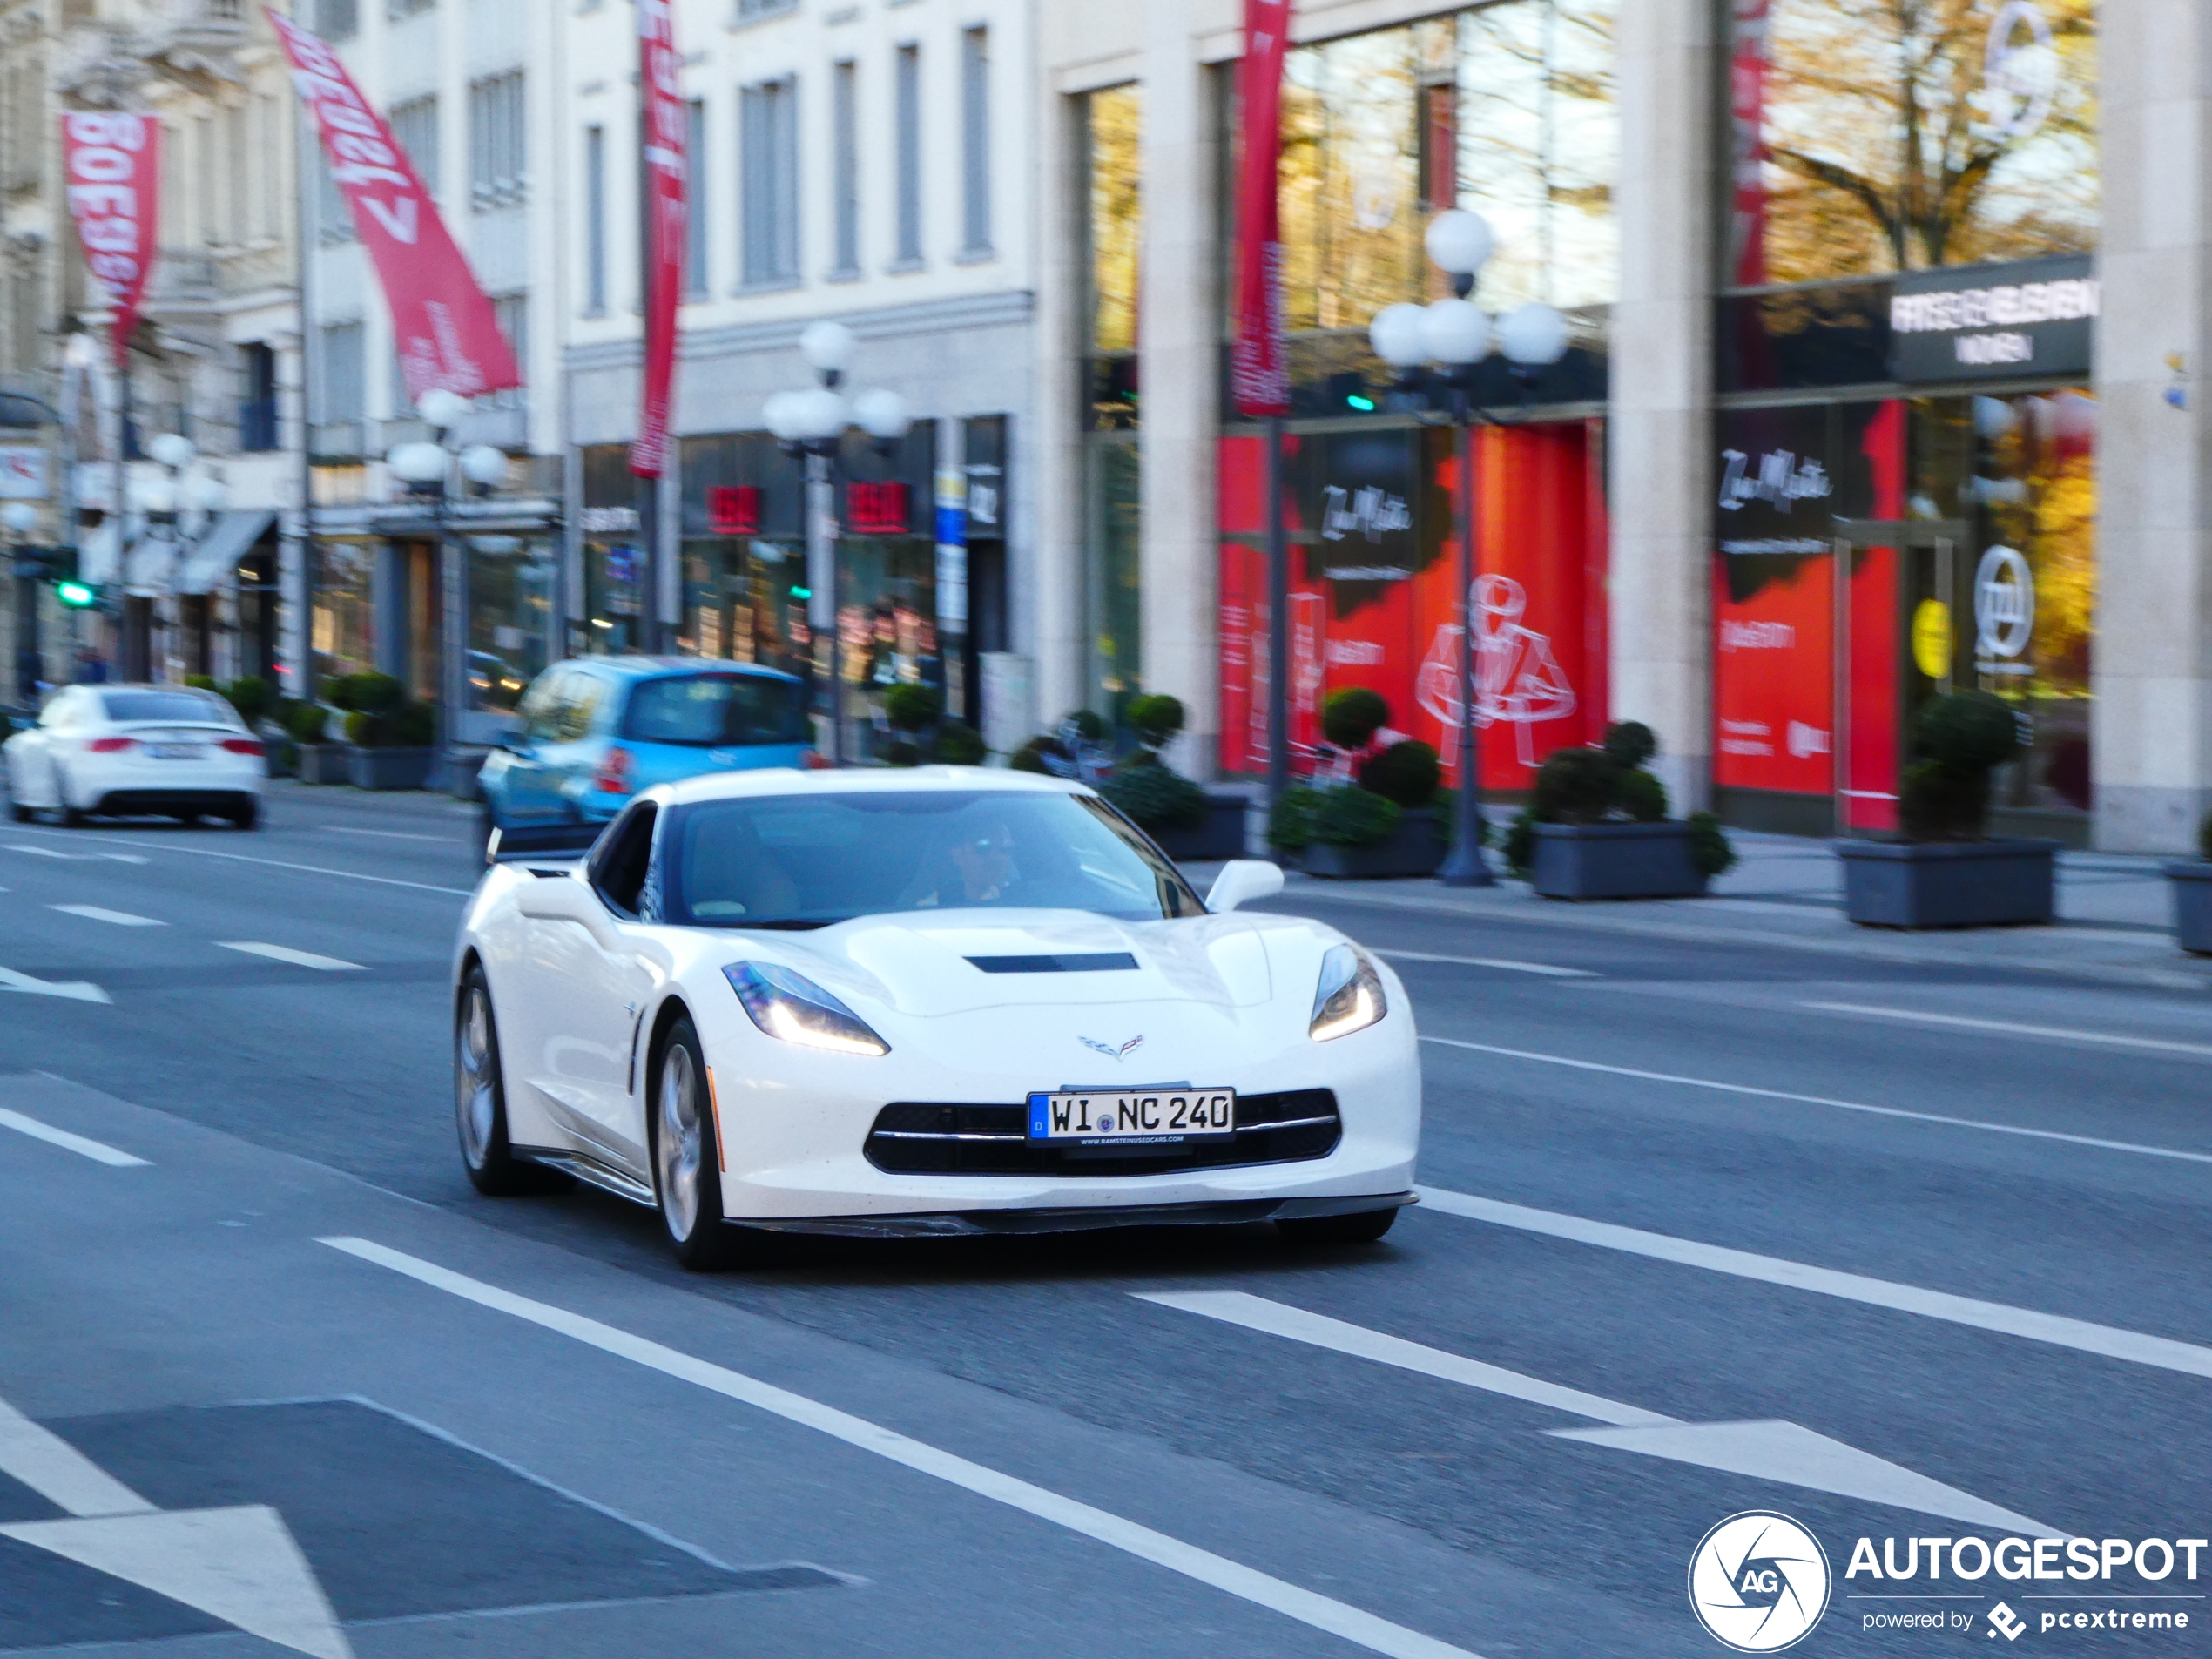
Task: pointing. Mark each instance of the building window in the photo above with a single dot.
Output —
(976, 141)
(512, 312)
(341, 390)
(238, 166)
(204, 155)
(769, 183)
(595, 221)
(748, 10)
(407, 8)
(270, 143)
(257, 409)
(334, 217)
(696, 274)
(1114, 221)
(498, 152)
(845, 115)
(907, 116)
(414, 124)
(338, 19)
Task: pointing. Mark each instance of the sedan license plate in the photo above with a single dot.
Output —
(1165, 1115)
(175, 751)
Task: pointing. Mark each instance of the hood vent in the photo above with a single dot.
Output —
(1105, 961)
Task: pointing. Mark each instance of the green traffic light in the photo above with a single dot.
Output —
(1366, 403)
(802, 593)
(76, 595)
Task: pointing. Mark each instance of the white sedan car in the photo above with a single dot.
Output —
(925, 1001)
(136, 751)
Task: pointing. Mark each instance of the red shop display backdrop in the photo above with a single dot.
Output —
(1780, 662)
(1373, 573)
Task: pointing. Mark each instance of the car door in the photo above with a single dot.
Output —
(527, 787)
(38, 783)
(593, 987)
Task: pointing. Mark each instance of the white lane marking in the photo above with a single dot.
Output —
(76, 990)
(2097, 1142)
(94, 913)
(1276, 1318)
(389, 836)
(286, 953)
(1365, 1630)
(1507, 964)
(2012, 1028)
(58, 1472)
(246, 858)
(2110, 1341)
(56, 853)
(98, 1151)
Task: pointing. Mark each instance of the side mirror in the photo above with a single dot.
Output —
(1243, 881)
(565, 898)
(514, 742)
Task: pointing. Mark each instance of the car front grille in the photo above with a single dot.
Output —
(921, 1138)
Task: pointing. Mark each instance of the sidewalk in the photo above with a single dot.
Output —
(2114, 921)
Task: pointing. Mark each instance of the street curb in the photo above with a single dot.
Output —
(1592, 920)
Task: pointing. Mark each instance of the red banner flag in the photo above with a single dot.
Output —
(443, 327)
(665, 124)
(114, 181)
(1259, 376)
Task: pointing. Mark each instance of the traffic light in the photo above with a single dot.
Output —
(76, 595)
(61, 571)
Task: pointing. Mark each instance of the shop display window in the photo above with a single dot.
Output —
(511, 583)
(345, 609)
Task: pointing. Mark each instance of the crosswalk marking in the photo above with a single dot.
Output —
(2111, 1341)
(286, 953)
(1568, 1060)
(95, 913)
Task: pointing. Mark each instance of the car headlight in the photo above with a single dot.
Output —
(1350, 996)
(794, 1007)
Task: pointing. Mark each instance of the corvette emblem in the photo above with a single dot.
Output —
(1109, 1049)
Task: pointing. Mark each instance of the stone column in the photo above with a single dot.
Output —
(2151, 665)
(1179, 337)
(1046, 572)
(1659, 445)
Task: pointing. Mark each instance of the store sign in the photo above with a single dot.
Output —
(23, 472)
(608, 521)
(876, 508)
(2003, 611)
(733, 509)
(1981, 322)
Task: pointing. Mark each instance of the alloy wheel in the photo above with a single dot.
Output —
(678, 1146)
(475, 1104)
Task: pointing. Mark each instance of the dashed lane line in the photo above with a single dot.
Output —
(2132, 1147)
(95, 913)
(247, 858)
(58, 853)
(286, 953)
(2009, 1028)
(1337, 1618)
(389, 835)
(98, 1151)
(1548, 969)
(2110, 1341)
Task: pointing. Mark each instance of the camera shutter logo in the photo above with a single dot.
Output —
(2004, 602)
(1759, 1582)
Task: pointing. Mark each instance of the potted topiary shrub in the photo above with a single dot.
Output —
(1213, 827)
(909, 710)
(2192, 884)
(957, 743)
(393, 739)
(1947, 871)
(1597, 827)
(319, 762)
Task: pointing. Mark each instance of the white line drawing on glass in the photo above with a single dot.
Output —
(1518, 680)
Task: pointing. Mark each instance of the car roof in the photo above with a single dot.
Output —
(636, 668)
(857, 780)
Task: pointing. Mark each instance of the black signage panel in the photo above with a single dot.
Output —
(1994, 321)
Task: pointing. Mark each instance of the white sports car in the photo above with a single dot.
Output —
(929, 1001)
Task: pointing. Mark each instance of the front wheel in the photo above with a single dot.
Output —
(246, 814)
(1364, 1228)
(479, 1097)
(687, 1163)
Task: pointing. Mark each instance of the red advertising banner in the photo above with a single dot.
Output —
(1747, 116)
(112, 167)
(443, 327)
(1259, 377)
(665, 130)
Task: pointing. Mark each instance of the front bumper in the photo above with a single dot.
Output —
(971, 1222)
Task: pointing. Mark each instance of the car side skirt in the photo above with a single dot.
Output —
(1081, 1219)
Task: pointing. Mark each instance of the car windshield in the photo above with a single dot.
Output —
(125, 706)
(810, 860)
(712, 711)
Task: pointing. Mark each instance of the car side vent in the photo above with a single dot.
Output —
(1105, 961)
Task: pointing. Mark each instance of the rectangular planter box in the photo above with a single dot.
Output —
(325, 762)
(2192, 883)
(1415, 848)
(1614, 861)
(392, 768)
(1948, 884)
(1221, 836)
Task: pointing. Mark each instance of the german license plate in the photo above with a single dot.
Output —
(1161, 1116)
(175, 751)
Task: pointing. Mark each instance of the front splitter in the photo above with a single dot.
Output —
(973, 1223)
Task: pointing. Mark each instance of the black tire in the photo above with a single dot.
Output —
(479, 1097)
(20, 812)
(1365, 1228)
(685, 1146)
(246, 814)
(74, 817)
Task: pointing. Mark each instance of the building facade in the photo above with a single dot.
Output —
(1867, 397)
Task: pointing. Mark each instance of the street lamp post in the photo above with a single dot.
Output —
(20, 518)
(1454, 336)
(810, 424)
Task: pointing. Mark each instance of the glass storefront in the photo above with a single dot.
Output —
(513, 582)
(1113, 229)
(615, 567)
(887, 580)
(345, 610)
(746, 590)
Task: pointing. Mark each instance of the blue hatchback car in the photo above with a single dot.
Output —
(592, 731)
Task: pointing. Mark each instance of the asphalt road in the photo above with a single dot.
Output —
(1679, 1198)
